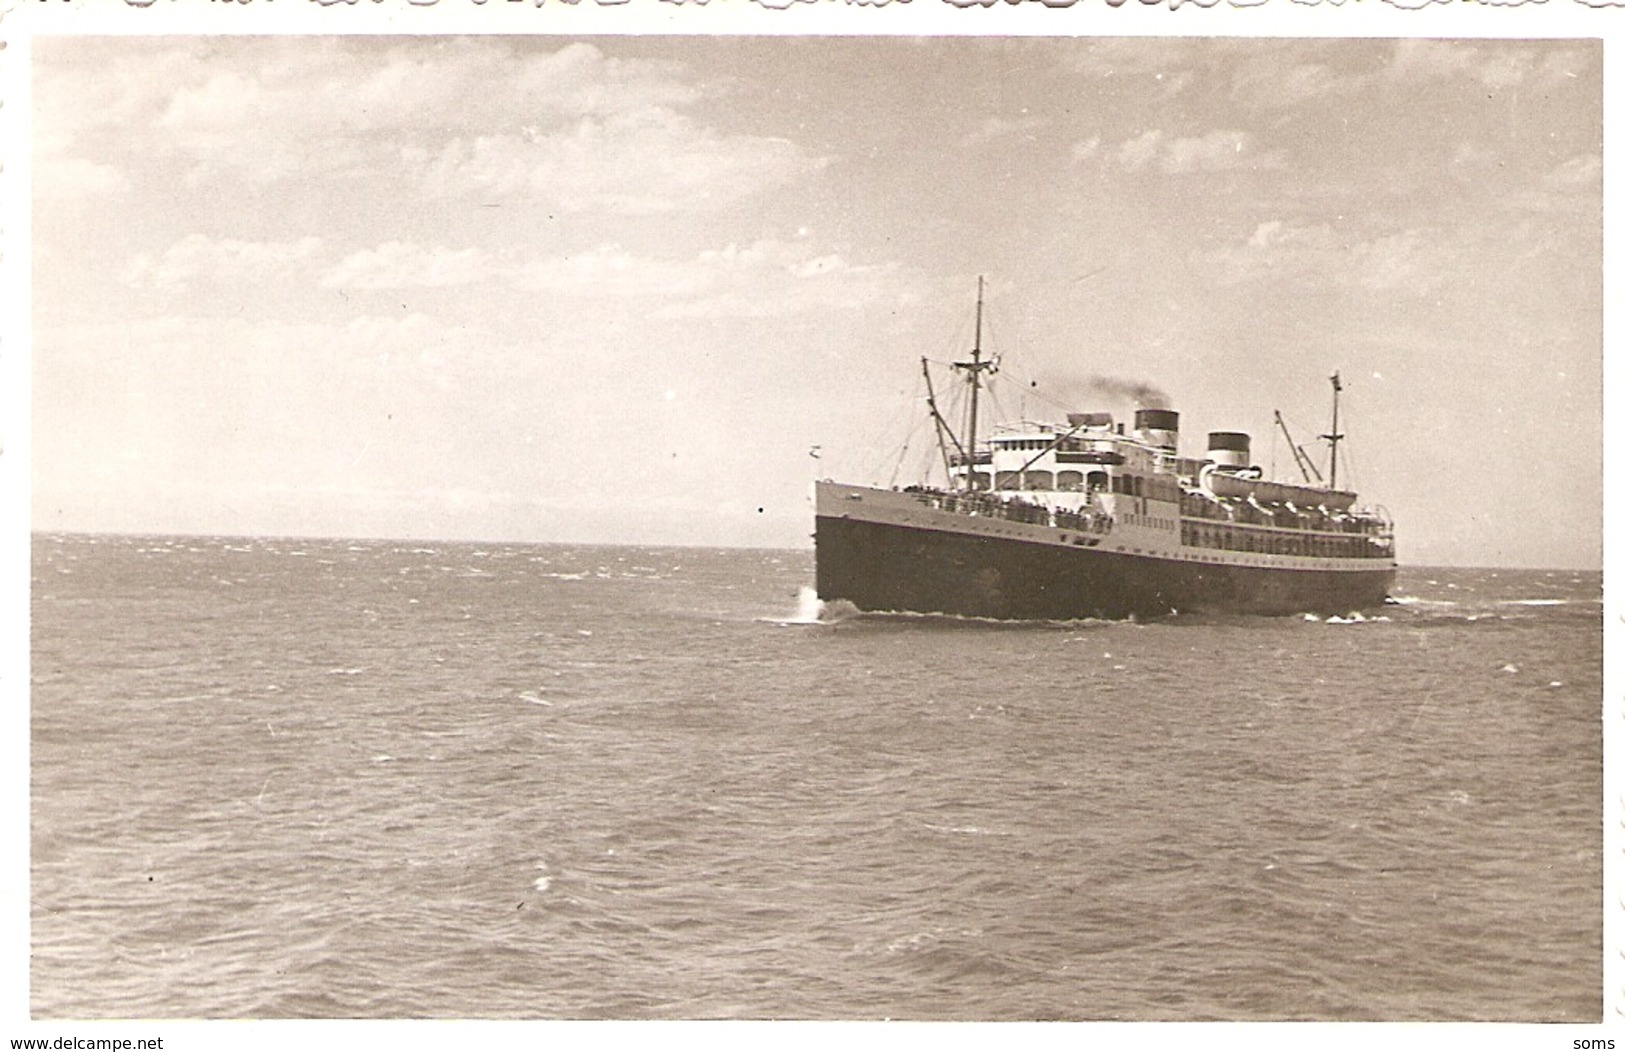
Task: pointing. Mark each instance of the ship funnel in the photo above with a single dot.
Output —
(1157, 427)
(1229, 449)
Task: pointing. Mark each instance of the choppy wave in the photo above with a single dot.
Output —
(1416, 600)
(925, 818)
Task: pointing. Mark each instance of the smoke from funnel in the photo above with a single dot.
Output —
(1075, 392)
(1142, 394)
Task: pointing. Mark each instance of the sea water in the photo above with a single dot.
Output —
(307, 778)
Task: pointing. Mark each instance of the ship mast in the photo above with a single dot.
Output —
(1305, 465)
(1334, 438)
(975, 367)
(942, 425)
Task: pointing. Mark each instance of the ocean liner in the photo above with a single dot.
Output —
(1092, 519)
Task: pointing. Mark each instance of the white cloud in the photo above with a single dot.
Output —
(1413, 260)
(649, 162)
(610, 270)
(70, 179)
(1263, 83)
(766, 278)
(331, 105)
(1573, 187)
(812, 268)
(762, 278)
(1217, 151)
(1277, 76)
(199, 258)
(1471, 161)
(566, 125)
(1407, 260)
(1420, 60)
(996, 127)
(1160, 69)
(1266, 234)
(1498, 65)
(774, 278)
(1083, 151)
(1137, 153)
(399, 264)
(1577, 174)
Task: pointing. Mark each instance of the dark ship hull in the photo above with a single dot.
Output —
(891, 551)
(879, 567)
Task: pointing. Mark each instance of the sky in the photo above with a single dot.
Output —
(622, 289)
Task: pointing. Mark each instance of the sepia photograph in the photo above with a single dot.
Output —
(981, 528)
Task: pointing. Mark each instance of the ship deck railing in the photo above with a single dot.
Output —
(1198, 507)
(1213, 532)
(986, 505)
